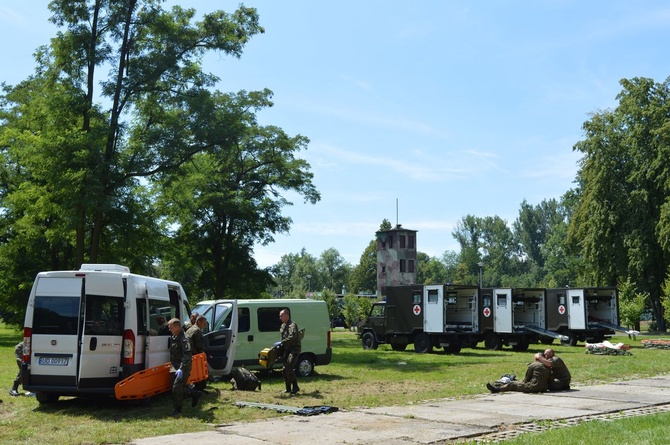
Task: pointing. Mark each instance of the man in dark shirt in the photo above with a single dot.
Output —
(290, 342)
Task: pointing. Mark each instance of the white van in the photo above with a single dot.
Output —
(258, 329)
(87, 330)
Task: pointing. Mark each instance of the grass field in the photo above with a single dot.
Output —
(356, 378)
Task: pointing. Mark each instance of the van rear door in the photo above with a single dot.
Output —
(103, 331)
(55, 331)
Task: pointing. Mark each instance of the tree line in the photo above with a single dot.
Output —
(120, 148)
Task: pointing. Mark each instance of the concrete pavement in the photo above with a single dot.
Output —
(486, 416)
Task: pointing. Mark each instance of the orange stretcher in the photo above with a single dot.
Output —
(153, 381)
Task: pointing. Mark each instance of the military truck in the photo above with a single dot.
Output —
(430, 316)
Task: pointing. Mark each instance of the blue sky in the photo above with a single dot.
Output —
(448, 108)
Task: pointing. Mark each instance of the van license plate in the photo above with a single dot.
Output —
(53, 361)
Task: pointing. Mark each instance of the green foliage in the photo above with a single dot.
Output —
(620, 221)
(355, 308)
(364, 274)
(119, 150)
(631, 304)
(330, 298)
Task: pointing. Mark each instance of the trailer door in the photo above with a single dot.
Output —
(102, 338)
(502, 310)
(576, 309)
(433, 309)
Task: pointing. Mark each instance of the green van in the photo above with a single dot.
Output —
(258, 329)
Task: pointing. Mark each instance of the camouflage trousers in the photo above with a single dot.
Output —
(290, 360)
(179, 389)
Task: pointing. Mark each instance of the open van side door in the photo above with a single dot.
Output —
(220, 336)
(157, 298)
(102, 337)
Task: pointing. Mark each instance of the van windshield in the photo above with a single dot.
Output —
(56, 315)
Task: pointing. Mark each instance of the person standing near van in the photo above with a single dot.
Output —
(194, 334)
(290, 341)
(18, 352)
(180, 367)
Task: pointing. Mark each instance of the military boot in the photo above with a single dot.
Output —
(295, 388)
(288, 388)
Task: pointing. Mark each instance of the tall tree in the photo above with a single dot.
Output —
(334, 270)
(151, 57)
(363, 278)
(226, 200)
(621, 222)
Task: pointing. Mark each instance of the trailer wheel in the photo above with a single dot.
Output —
(572, 339)
(453, 348)
(422, 344)
(492, 342)
(398, 346)
(369, 341)
(521, 345)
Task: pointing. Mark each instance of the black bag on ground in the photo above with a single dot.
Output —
(245, 380)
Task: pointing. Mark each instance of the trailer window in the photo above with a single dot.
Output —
(501, 300)
(432, 296)
(56, 315)
(416, 297)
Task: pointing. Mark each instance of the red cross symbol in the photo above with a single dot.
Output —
(416, 309)
(487, 312)
(561, 309)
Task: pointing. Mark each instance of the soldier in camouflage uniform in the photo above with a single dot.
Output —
(290, 342)
(18, 352)
(194, 334)
(180, 369)
(536, 379)
(560, 378)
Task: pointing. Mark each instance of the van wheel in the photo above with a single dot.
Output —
(305, 366)
(369, 341)
(46, 397)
